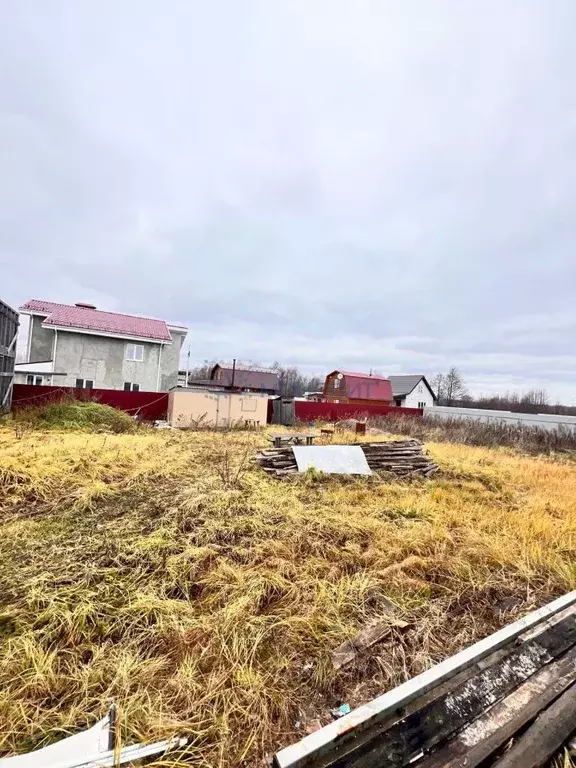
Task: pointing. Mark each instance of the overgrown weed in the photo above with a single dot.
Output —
(205, 598)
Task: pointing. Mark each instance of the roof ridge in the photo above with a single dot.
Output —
(87, 318)
(247, 367)
(107, 311)
(364, 375)
(95, 309)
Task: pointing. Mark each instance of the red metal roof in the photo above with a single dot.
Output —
(83, 318)
(362, 386)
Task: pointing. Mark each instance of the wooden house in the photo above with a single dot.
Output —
(357, 389)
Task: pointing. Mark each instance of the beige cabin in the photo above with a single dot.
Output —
(191, 407)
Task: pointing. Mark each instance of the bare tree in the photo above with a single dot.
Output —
(450, 387)
(438, 386)
(455, 387)
(203, 371)
(293, 383)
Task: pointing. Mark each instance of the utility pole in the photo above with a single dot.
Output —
(187, 365)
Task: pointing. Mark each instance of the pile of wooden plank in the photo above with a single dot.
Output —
(508, 701)
(400, 457)
(278, 461)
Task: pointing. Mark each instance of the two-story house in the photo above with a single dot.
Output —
(81, 346)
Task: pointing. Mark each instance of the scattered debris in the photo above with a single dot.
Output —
(343, 709)
(347, 652)
(400, 457)
(162, 424)
(313, 726)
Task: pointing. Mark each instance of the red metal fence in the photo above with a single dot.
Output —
(154, 405)
(146, 405)
(309, 411)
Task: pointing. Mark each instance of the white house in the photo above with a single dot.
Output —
(412, 391)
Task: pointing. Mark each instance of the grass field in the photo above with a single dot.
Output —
(163, 570)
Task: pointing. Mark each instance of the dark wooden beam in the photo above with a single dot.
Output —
(539, 743)
(493, 729)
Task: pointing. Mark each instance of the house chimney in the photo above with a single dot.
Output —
(85, 305)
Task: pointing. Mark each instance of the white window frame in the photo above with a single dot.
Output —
(28, 377)
(336, 383)
(132, 351)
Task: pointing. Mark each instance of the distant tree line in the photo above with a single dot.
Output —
(452, 390)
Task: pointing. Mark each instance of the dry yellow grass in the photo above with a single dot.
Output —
(164, 571)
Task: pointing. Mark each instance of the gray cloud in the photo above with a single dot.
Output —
(366, 184)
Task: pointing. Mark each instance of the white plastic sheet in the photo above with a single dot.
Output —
(92, 742)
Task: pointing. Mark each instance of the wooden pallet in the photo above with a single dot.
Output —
(518, 684)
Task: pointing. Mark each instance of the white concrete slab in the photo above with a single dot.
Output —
(332, 459)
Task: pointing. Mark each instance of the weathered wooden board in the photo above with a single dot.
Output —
(494, 728)
(539, 743)
(346, 652)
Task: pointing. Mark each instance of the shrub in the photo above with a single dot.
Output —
(73, 414)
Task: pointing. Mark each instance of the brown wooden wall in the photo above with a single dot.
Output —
(332, 392)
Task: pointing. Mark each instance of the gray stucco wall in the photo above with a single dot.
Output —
(171, 361)
(41, 341)
(103, 361)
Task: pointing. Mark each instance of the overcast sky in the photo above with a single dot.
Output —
(325, 183)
